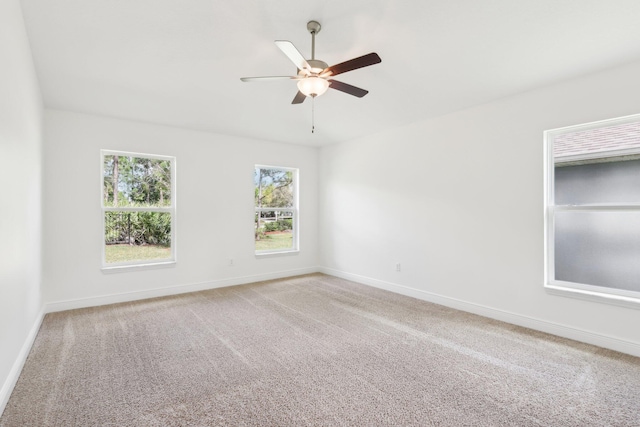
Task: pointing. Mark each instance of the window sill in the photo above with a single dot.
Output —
(276, 254)
(137, 267)
(591, 295)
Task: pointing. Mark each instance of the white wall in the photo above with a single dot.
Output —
(214, 209)
(20, 197)
(458, 201)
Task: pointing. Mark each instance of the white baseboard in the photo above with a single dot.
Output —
(16, 369)
(627, 347)
(172, 290)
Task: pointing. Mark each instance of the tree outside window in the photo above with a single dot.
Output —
(138, 203)
(276, 211)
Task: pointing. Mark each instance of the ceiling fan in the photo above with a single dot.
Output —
(314, 76)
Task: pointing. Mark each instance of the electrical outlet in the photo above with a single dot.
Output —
(230, 262)
(398, 267)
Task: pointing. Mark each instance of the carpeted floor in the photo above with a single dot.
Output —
(312, 350)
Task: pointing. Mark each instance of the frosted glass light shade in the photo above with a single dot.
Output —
(313, 86)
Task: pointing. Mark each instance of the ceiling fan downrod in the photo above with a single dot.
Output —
(314, 28)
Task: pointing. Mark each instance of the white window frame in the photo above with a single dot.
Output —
(579, 290)
(295, 209)
(144, 264)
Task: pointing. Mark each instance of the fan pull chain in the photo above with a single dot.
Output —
(313, 114)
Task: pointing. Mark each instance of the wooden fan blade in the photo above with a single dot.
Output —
(299, 98)
(293, 54)
(352, 64)
(255, 79)
(347, 88)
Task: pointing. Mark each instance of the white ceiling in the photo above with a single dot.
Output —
(178, 62)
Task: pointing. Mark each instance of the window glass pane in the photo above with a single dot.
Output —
(610, 182)
(273, 188)
(136, 182)
(137, 236)
(274, 230)
(598, 248)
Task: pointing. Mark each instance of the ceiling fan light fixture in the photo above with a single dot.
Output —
(313, 86)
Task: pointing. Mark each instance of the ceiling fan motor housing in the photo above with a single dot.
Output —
(317, 66)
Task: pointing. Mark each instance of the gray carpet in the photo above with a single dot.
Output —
(312, 350)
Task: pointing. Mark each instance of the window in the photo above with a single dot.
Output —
(592, 208)
(138, 209)
(276, 209)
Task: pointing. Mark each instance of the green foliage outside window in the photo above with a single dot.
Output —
(140, 182)
(276, 210)
(137, 182)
